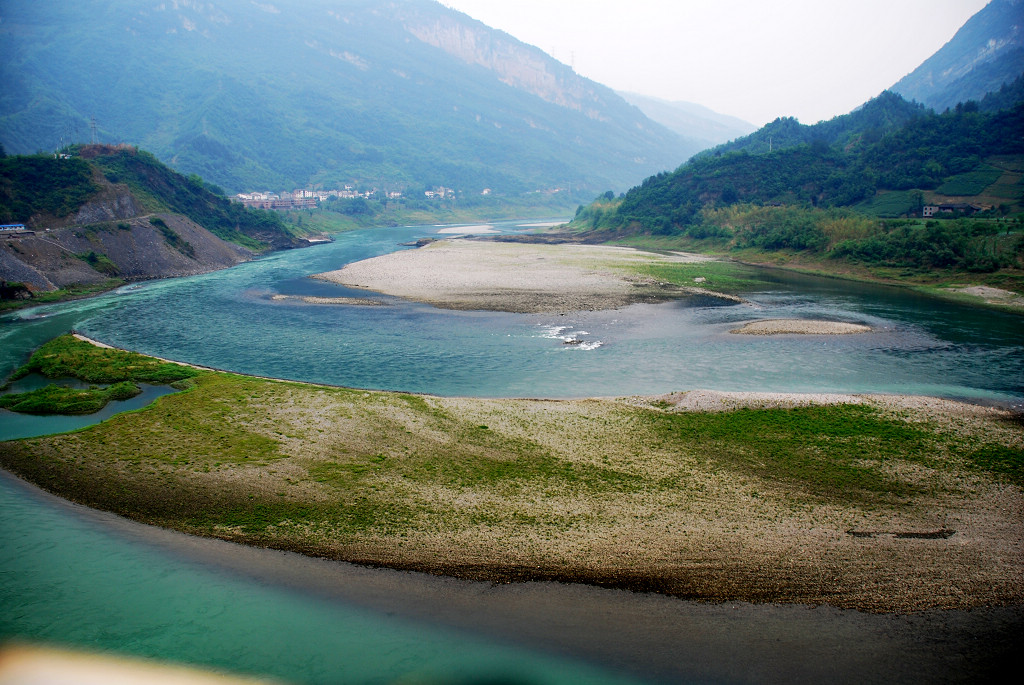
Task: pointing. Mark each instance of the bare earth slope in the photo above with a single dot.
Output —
(136, 249)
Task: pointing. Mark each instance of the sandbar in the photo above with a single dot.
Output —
(478, 229)
(517, 277)
(630, 492)
(314, 299)
(990, 295)
(800, 327)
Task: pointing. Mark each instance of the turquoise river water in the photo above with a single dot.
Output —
(68, 581)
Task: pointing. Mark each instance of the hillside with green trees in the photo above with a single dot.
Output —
(396, 96)
(45, 191)
(97, 216)
(855, 195)
(883, 113)
(925, 154)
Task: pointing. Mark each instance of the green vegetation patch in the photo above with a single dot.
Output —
(203, 429)
(67, 356)
(894, 203)
(100, 262)
(261, 519)
(172, 238)
(719, 276)
(971, 183)
(834, 451)
(58, 399)
(1005, 462)
(514, 468)
(37, 184)
(478, 457)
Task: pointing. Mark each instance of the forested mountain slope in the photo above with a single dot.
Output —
(985, 53)
(885, 112)
(923, 154)
(827, 198)
(402, 94)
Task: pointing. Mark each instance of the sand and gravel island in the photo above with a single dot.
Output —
(800, 327)
(522, 277)
(534, 278)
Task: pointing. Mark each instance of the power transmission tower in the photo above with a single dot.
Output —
(92, 129)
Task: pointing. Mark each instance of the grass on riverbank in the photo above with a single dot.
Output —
(58, 399)
(69, 357)
(720, 276)
(755, 504)
(71, 292)
(941, 283)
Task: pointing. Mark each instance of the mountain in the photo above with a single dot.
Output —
(958, 154)
(873, 118)
(698, 126)
(403, 94)
(985, 53)
(865, 188)
(102, 212)
(824, 202)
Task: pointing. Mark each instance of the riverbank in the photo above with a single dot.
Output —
(877, 503)
(650, 636)
(521, 277)
(73, 290)
(1003, 290)
(964, 288)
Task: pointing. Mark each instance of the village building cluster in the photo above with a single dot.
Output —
(955, 208)
(304, 199)
(440, 193)
(310, 199)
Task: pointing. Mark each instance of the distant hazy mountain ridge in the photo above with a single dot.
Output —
(985, 53)
(699, 126)
(403, 95)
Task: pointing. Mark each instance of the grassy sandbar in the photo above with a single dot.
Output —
(885, 504)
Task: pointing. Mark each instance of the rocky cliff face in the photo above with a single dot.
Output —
(515, 64)
(113, 202)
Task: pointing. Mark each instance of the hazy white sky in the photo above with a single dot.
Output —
(754, 59)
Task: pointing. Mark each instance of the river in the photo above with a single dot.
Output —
(74, 577)
(228, 320)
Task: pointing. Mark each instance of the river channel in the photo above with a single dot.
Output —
(73, 578)
(231, 320)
